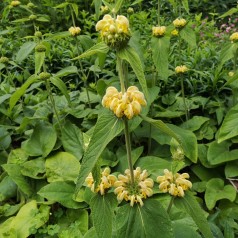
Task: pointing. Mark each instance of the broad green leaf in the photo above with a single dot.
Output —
(150, 220)
(183, 230)
(62, 166)
(25, 50)
(67, 71)
(8, 189)
(102, 214)
(5, 139)
(97, 5)
(194, 123)
(185, 5)
(61, 192)
(220, 153)
(231, 169)
(27, 221)
(118, 5)
(227, 53)
(42, 140)
(189, 204)
(216, 191)
(20, 91)
(229, 127)
(107, 127)
(39, 61)
(131, 56)
(34, 168)
(22, 182)
(61, 86)
(98, 48)
(188, 34)
(75, 8)
(72, 140)
(17, 156)
(160, 54)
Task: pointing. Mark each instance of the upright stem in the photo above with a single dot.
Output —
(158, 12)
(170, 204)
(184, 101)
(72, 15)
(128, 149)
(121, 74)
(234, 90)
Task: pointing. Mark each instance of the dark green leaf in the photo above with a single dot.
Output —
(24, 51)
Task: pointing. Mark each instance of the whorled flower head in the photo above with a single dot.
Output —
(158, 31)
(175, 32)
(179, 22)
(74, 30)
(15, 3)
(104, 9)
(174, 184)
(234, 37)
(106, 182)
(231, 74)
(114, 32)
(127, 104)
(135, 193)
(181, 69)
(4, 60)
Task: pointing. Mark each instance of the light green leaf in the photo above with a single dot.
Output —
(189, 204)
(66, 71)
(61, 86)
(62, 5)
(61, 192)
(72, 140)
(8, 189)
(220, 153)
(131, 56)
(229, 12)
(118, 5)
(98, 48)
(42, 140)
(62, 166)
(5, 138)
(102, 214)
(97, 5)
(39, 61)
(107, 127)
(227, 53)
(183, 230)
(188, 34)
(194, 123)
(20, 92)
(75, 8)
(185, 5)
(13, 171)
(231, 169)
(216, 191)
(160, 54)
(150, 220)
(229, 127)
(25, 50)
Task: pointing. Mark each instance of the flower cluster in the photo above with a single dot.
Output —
(74, 31)
(106, 182)
(158, 31)
(114, 32)
(134, 192)
(127, 104)
(181, 69)
(15, 3)
(175, 32)
(234, 37)
(104, 9)
(4, 60)
(174, 184)
(179, 22)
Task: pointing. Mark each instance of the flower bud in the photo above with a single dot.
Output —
(40, 48)
(44, 76)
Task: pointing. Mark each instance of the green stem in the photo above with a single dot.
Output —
(53, 102)
(184, 101)
(170, 204)
(158, 12)
(234, 90)
(72, 15)
(121, 74)
(128, 150)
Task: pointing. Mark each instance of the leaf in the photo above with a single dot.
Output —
(24, 51)
(97, 6)
(160, 54)
(61, 86)
(107, 127)
(185, 5)
(194, 123)
(229, 127)
(150, 220)
(188, 34)
(20, 92)
(227, 53)
(72, 140)
(216, 191)
(13, 170)
(98, 48)
(27, 221)
(229, 12)
(8, 189)
(118, 5)
(61, 192)
(5, 139)
(192, 207)
(62, 166)
(131, 56)
(220, 153)
(183, 230)
(39, 61)
(42, 140)
(67, 71)
(102, 214)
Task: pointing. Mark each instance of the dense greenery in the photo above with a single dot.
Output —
(66, 135)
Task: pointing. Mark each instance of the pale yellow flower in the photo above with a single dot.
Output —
(179, 22)
(15, 3)
(158, 30)
(74, 31)
(104, 9)
(174, 184)
(181, 69)
(135, 193)
(234, 37)
(231, 74)
(175, 32)
(106, 182)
